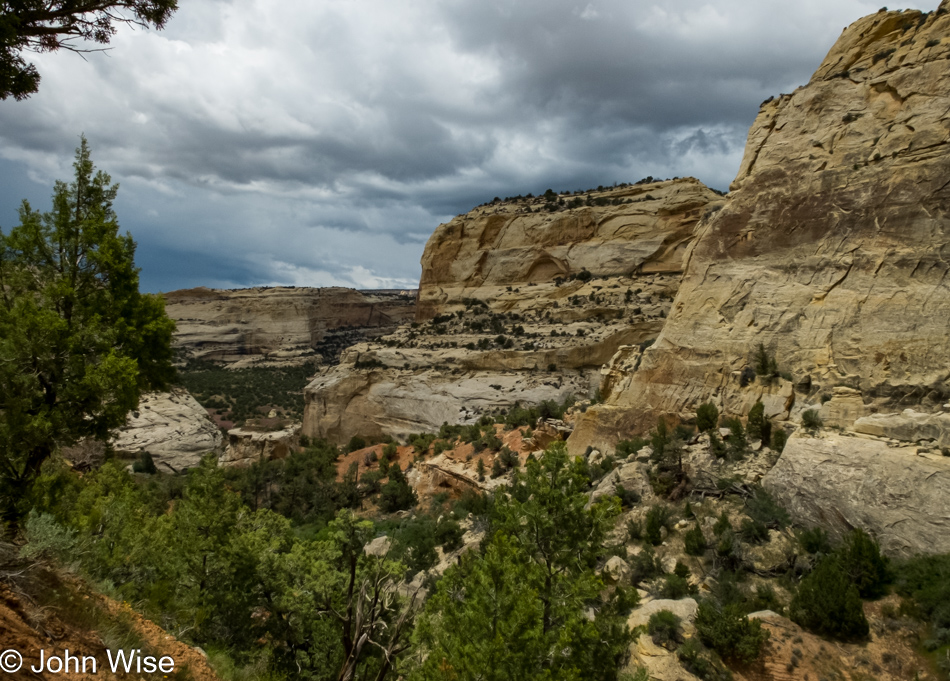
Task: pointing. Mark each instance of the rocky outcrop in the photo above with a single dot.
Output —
(897, 494)
(909, 426)
(498, 337)
(172, 427)
(642, 228)
(832, 249)
(280, 324)
(247, 446)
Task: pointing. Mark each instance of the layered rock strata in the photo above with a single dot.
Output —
(832, 249)
(486, 253)
(279, 324)
(498, 333)
(248, 445)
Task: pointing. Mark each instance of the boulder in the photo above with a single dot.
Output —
(844, 408)
(172, 427)
(685, 609)
(900, 497)
(632, 476)
(247, 446)
(616, 571)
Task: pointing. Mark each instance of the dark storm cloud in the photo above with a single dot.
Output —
(323, 143)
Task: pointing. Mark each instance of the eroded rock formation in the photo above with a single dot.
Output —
(494, 331)
(898, 494)
(172, 427)
(279, 324)
(484, 254)
(248, 445)
(832, 249)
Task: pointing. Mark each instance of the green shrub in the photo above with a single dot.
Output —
(634, 530)
(628, 497)
(145, 464)
(729, 632)
(926, 579)
(707, 416)
(738, 446)
(765, 364)
(659, 439)
(763, 508)
(645, 565)
(695, 541)
(701, 663)
(765, 599)
(779, 438)
(814, 540)
(664, 628)
(811, 421)
(449, 534)
(627, 447)
(675, 587)
(722, 524)
(828, 603)
(657, 518)
(396, 494)
(356, 442)
(755, 420)
(753, 532)
(861, 560)
(46, 538)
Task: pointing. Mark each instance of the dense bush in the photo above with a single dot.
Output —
(861, 560)
(729, 632)
(625, 448)
(695, 542)
(665, 628)
(757, 425)
(811, 421)
(240, 394)
(926, 579)
(707, 417)
(763, 508)
(145, 464)
(828, 603)
(814, 540)
(657, 518)
(779, 438)
(396, 494)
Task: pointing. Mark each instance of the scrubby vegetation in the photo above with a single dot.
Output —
(240, 394)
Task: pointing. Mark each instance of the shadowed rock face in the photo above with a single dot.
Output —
(833, 247)
(280, 324)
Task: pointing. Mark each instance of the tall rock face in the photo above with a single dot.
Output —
(279, 324)
(642, 228)
(832, 249)
(521, 301)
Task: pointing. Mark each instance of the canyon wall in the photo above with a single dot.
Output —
(638, 229)
(832, 250)
(280, 324)
(520, 301)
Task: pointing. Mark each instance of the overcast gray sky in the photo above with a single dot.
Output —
(320, 142)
